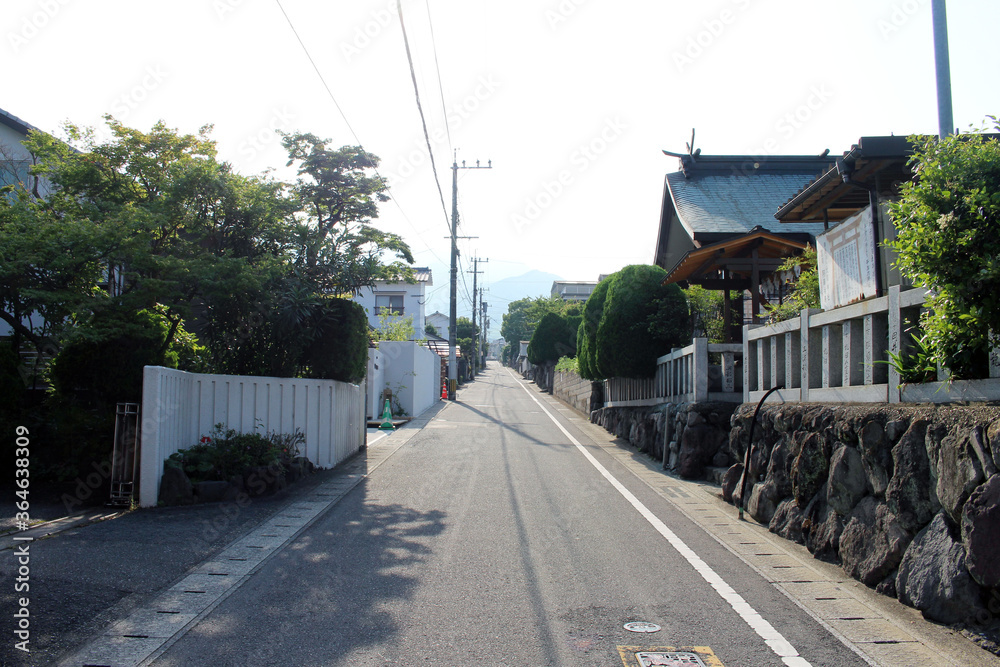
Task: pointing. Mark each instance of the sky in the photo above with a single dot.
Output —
(572, 101)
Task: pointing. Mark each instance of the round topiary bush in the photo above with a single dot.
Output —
(586, 340)
(552, 339)
(636, 326)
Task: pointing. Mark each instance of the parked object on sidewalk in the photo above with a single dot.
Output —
(386, 424)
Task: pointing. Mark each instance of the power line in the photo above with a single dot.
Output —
(420, 109)
(437, 67)
(333, 99)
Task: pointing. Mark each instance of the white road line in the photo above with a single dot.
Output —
(774, 639)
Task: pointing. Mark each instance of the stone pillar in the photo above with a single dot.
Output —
(699, 367)
(832, 356)
(763, 364)
(811, 343)
(749, 362)
(895, 342)
(793, 360)
(728, 371)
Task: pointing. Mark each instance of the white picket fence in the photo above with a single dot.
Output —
(178, 408)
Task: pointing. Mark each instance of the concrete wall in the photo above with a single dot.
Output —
(413, 373)
(573, 389)
(179, 408)
(376, 383)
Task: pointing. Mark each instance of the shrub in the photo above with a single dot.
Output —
(227, 453)
(948, 240)
(805, 291)
(102, 361)
(552, 339)
(641, 320)
(339, 350)
(568, 365)
(586, 339)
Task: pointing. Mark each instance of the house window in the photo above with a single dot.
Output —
(388, 303)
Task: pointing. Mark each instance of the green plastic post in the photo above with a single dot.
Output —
(386, 424)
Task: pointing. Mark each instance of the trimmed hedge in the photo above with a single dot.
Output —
(629, 321)
(553, 338)
(586, 339)
(340, 349)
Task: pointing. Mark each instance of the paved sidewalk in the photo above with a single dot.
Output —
(96, 567)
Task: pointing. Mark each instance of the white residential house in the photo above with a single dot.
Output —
(440, 322)
(403, 299)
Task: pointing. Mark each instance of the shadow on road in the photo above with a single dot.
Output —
(328, 593)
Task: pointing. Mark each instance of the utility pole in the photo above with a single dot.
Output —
(942, 68)
(453, 314)
(484, 325)
(475, 274)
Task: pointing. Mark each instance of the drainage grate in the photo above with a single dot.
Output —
(669, 659)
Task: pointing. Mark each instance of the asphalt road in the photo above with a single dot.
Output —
(490, 537)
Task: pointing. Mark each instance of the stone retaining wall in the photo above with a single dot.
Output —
(905, 498)
(699, 434)
(573, 389)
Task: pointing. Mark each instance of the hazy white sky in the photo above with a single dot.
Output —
(572, 100)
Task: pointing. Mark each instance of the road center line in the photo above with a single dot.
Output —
(774, 639)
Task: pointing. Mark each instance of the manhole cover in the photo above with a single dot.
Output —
(669, 659)
(642, 626)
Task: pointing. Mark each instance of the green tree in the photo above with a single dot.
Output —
(339, 248)
(465, 336)
(642, 320)
(523, 316)
(154, 210)
(553, 338)
(948, 240)
(586, 342)
(805, 291)
(391, 326)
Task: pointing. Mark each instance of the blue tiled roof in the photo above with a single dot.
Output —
(735, 203)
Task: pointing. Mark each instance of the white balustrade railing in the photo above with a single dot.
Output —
(841, 356)
(683, 376)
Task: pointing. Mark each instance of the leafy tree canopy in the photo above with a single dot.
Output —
(523, 316)
(159, 225)
(338, 193)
